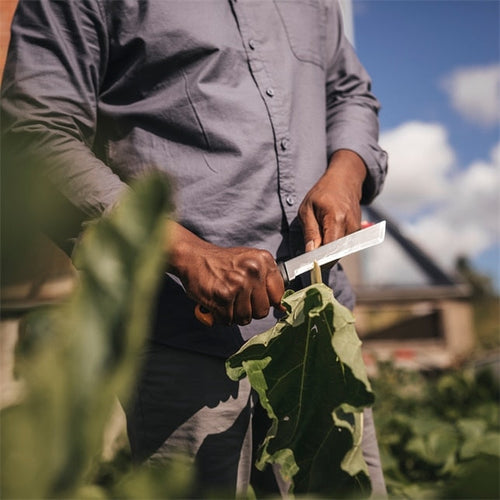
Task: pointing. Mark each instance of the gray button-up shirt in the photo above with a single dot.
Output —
(240, 102)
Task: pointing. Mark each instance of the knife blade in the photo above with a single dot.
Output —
(332, 252)
(325, 254)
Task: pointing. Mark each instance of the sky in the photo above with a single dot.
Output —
(435, 67)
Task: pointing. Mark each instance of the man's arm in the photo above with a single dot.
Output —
(56, 60)
(357, 165)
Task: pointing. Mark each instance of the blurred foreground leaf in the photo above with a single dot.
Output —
(311, 379)
(75, 357)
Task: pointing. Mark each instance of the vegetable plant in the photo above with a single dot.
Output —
(311, 380)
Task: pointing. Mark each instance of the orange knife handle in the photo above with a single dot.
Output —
(203, 315)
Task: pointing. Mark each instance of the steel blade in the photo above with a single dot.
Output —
(331, 252)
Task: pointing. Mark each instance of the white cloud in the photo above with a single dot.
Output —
(445, 242)
(495, 155)
(387, 263)
(446, 210)
(474, 92)
(476, 191)
(419, 160)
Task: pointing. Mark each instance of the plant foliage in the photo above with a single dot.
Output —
(439, 435)
(310, 377)
(75, 357)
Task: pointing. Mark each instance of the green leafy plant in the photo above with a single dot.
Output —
(75, 357)
(310, 377)
(439, 434)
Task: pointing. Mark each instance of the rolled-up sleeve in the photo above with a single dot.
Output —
(352, 109)
(56, 61)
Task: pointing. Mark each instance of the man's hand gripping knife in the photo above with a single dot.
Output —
(234, 284)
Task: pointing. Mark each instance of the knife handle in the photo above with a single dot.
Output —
(204, 316)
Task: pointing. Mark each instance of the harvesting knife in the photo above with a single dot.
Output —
(325, 254)
(332, 252)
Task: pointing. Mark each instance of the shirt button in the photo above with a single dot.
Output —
(270, 92)
(290, 200)
(252, 44)
(285, 143)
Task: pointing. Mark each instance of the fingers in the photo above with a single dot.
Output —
(331, 208)
(340, 224)
(326, 218)
(313, 236)
(256, 302)
(248, 290)
(275, 288)
(243, 307)
(267, 288)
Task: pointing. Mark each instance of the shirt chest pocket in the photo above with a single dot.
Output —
(304, 24)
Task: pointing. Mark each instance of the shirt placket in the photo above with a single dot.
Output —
(273, 97)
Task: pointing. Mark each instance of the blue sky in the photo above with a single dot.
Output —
(435, 66)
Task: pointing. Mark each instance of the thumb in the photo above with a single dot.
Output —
(312, 231)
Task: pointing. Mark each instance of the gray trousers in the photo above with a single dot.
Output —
(186, 404)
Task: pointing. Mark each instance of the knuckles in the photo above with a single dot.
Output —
(257, 264)
(252, 268)
(245, 278)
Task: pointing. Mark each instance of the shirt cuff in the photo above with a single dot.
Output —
(374, 157)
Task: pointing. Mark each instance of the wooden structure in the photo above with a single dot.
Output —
(420, 325)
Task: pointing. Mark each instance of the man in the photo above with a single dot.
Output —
(261, 114)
